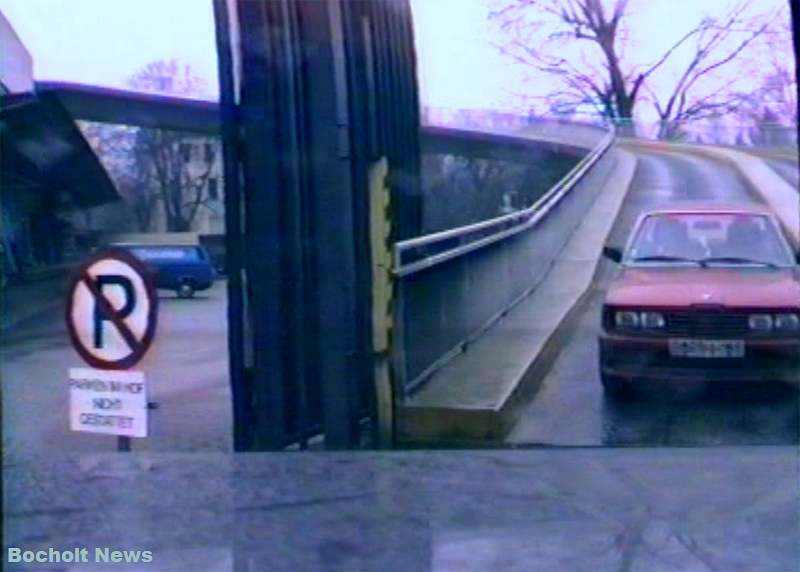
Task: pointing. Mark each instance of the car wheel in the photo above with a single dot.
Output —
(616, 387)
(186, 290)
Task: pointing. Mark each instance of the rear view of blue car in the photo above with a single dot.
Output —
(185, 269)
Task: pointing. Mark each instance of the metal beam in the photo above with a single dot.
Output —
(234, 247)
(106, 105)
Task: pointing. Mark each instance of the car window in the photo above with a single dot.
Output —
(714, 237)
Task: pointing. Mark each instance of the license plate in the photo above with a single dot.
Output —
(706, 348)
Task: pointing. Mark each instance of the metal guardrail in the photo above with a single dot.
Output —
(433, 250)
(522, 220)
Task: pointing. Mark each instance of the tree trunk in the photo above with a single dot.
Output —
(177, 223)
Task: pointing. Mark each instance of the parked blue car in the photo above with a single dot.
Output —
(185, 269)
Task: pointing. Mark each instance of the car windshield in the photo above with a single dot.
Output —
(709, 239)
(167, 253)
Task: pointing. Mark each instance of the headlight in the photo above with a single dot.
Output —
(649, 320)
(652, 320)
(626, 319)
(787, 322)
(761, 322)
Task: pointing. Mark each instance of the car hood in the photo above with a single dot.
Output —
(727, 287)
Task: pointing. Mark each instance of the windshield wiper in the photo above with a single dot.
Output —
(665, 258)
(736, 260)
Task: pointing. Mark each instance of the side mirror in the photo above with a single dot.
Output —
(612, 253)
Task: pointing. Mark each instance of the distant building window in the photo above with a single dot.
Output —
(209, 153)
(213, 191)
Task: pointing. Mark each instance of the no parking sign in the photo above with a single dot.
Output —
(112, 310)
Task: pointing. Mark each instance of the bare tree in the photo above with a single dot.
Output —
(116, 148)
(582, 42)
(154, 168)
(178, 180)
(717, 44)
(168, 159)
(537, 31)
(168, 77)
(778, 90)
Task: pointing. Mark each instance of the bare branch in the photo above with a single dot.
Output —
(653, 67)
(608, 81)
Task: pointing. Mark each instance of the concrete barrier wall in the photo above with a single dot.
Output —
(469, 177)
(540, 129)
(453, 301)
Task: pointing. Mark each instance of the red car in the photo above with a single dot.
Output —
(705, 293)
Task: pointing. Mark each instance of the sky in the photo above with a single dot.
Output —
(103, 42)
(460, 65)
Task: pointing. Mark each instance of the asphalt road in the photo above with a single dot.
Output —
(570, 408)
(186, 371)
(786, 169)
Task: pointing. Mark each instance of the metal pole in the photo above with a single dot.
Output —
(233, 227)
(268, 158)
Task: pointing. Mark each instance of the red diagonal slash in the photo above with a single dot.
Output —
(110, 314)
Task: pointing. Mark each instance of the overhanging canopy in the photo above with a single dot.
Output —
(40, 146)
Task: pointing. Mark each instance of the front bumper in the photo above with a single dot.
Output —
(648, 358)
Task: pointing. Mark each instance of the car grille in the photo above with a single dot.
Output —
(691, 324)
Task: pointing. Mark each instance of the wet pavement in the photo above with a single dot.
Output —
(570, 408)
(660, 509)
(186, 370)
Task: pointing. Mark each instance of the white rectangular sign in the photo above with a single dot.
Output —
(110, 402)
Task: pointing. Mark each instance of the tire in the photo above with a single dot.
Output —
(616, 388)
(185, 290)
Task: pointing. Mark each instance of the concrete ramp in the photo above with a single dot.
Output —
(477, 394)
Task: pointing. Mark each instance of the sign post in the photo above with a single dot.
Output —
(111, 315)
